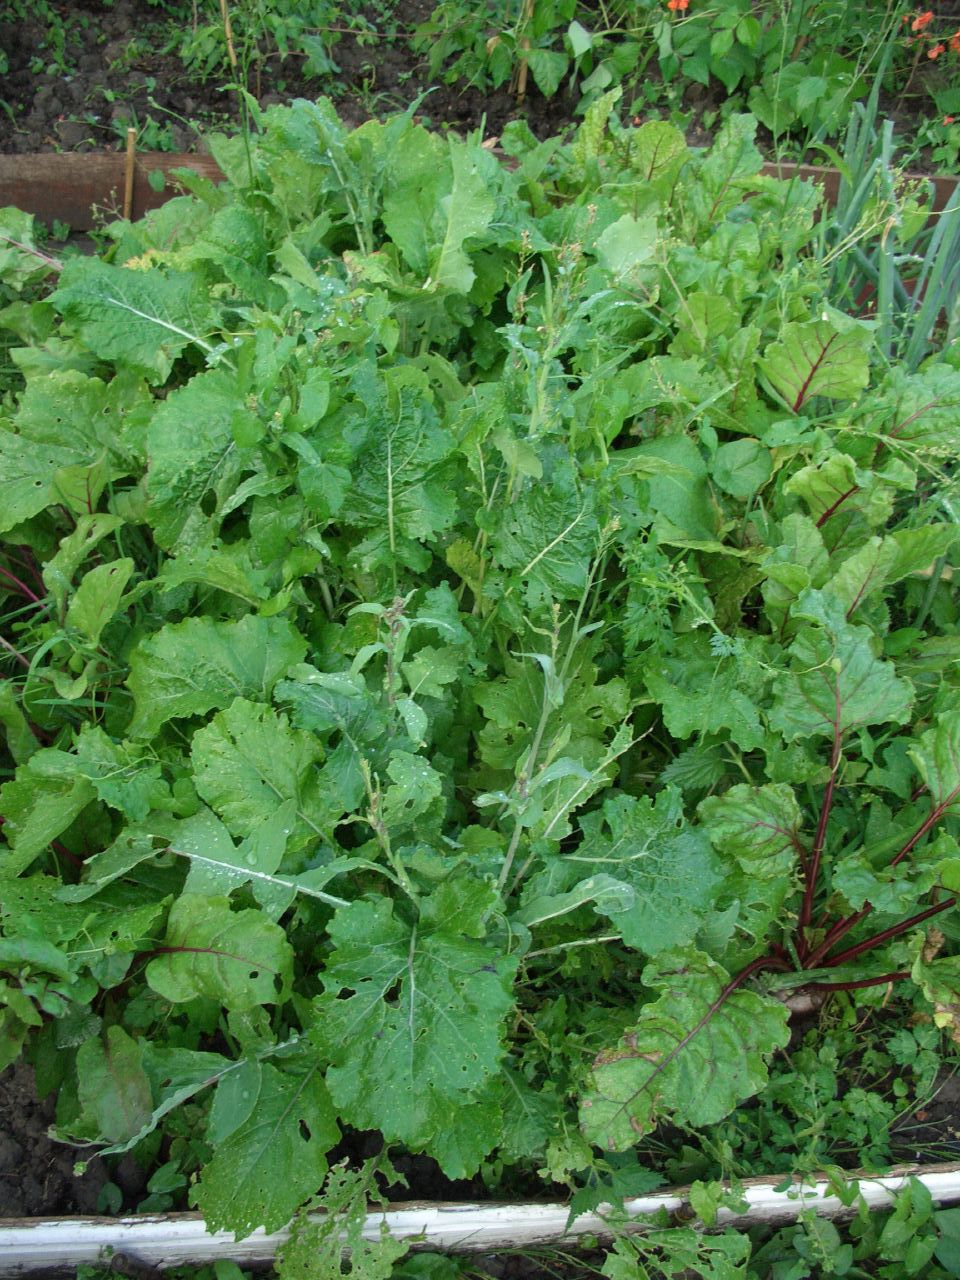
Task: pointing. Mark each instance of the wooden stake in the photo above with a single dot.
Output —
(128, 171)
(228, 32)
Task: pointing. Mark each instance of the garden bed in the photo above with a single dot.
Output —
(454, 613)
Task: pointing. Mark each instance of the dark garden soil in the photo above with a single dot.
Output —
(117, 75)
(36, 1174)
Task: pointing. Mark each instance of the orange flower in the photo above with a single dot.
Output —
(674, 5)
(921, 20)
(949, 119)
(955, 42)
(936, 51)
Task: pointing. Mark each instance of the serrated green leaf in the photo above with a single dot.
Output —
(143, 319)
(190, 667)
(193, 451)
(709, 694)
(689, 1056)
(248, 760)
(671, 868)
(548, 539)
(421, 1031)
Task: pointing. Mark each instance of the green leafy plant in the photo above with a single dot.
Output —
(477, 653)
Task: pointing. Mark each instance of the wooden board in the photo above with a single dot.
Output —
(84, 190)
(164, 1240)
(87, 190)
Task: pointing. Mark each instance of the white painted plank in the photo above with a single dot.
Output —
(173, 1239)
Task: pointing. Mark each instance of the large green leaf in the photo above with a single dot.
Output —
(703, 693)
(816, 358)
(412, 1015)
(142, 319)
(548, 539)
(671, 868)
(114, 1092)
(338, 707)
(437, 202)
(758, 826)
(248, 760)
(691, 1056)
(238, 958)
(836, 684)
(401, 486)
(937, 756)
(193, 451)
(276, 1159)
(41, 801)
(190, 667)
(883, 561)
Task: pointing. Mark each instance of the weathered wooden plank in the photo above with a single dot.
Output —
(45, 1244)
(86, 189)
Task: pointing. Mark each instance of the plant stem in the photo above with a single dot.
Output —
(894, 931)
(15, 652)
(863, 982)
(21, 586)
(813, 868)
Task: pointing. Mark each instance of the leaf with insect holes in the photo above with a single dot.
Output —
(691, 1056)
(816, 359)
(336, 1229)
(412, 1015)
(238, 958)
(276, 1159)
(187, 668)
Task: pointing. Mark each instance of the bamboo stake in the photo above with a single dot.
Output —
(128, 171)
(228, 32)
